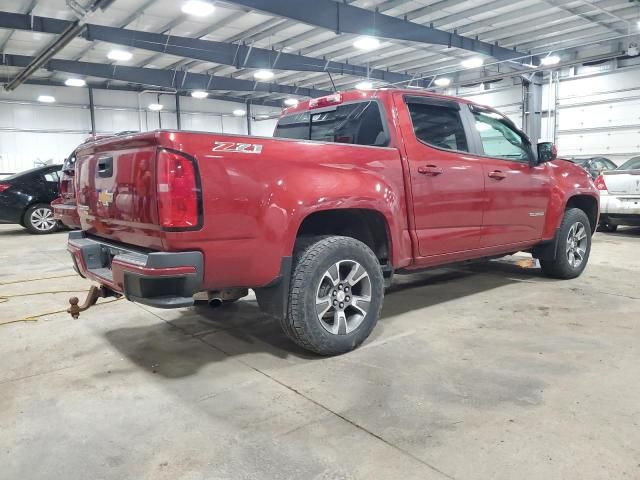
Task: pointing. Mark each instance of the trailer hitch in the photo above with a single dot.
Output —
(92, 297)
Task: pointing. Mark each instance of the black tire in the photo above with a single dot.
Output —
(313, 257)
(33, 219)
(607, 227)
(561, 267)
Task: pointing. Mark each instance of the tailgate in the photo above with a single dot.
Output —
(623, 182)
(115, 189)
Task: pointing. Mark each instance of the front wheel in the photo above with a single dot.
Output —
(574, 246)
(39, 219)
(335, 295)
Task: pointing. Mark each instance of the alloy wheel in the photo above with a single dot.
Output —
(343, 297)
(42, 219)
(576, 244)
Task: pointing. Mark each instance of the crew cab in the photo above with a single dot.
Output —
(354, 188)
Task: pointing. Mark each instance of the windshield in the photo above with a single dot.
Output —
(632, 164)
(355, 123)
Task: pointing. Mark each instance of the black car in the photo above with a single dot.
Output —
(595, 165)
(25, 198)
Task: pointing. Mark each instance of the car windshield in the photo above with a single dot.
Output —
(632, 164)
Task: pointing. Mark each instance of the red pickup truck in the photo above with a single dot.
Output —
(356, 187)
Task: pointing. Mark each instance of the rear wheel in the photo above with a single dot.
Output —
(574, 246)
(39, 219)
(335, 296)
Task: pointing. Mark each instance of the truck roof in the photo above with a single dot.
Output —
(354, 95)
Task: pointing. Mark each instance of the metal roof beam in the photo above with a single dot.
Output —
(178, 80)
(343, 18)
(241, 56)
(130, 88)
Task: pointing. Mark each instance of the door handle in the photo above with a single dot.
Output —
(498, 175)
(431, 170)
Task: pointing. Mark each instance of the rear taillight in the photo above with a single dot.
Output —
(65, 186)
(600, 184)
(177, 191)
(4, 186)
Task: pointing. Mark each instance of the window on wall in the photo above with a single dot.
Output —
(356, 123)
(438, 126)
(500, 139)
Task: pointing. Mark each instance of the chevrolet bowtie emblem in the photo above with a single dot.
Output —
(105, 198)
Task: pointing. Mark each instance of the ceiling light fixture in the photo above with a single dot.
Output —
(119, 55)
(75, 82)
(46, 99)
(442, 82)
(365, 85)
(200, 94)
(197, 8)
(366, 43)
(155, 107)
(473, 62)
(263, 75)
(239, 112)
(291, 102)
(550, 60)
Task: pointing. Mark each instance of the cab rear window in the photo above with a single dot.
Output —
(355, 123)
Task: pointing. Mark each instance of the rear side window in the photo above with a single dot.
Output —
(52, 176)
(356, 123)
(438, 126)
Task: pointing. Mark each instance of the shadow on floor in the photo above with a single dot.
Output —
(172, 349)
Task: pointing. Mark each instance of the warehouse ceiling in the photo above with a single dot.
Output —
(308, 45)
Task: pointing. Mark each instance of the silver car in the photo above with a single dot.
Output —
(620, 196)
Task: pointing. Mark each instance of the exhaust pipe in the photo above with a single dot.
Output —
(215, 302)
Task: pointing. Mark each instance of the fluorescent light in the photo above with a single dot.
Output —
(75, 82)
(119, 55)
(263, 75)
(156, 107)
(46, 99)
(239, 112)
(291, 102)
(366, 43)
(473, 62)
(550, 60)
(199, 94)
(365, 85)
(198, 8)
(442, 82)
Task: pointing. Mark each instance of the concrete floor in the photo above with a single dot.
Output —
(485, 372)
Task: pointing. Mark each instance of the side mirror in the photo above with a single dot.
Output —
(547, 151)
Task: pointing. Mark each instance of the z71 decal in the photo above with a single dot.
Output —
(237, 147)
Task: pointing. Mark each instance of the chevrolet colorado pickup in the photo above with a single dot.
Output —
(355, 187)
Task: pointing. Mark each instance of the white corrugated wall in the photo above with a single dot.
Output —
(34, 133)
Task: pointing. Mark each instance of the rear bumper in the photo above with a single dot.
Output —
(66, 213)
(157, 279)
(620, 210)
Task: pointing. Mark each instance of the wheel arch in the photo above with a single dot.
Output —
(369, 226)
(588, 204)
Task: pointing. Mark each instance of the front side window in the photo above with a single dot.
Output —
(356, 123)
(438, 126)
(632, 164)
(499, 139)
